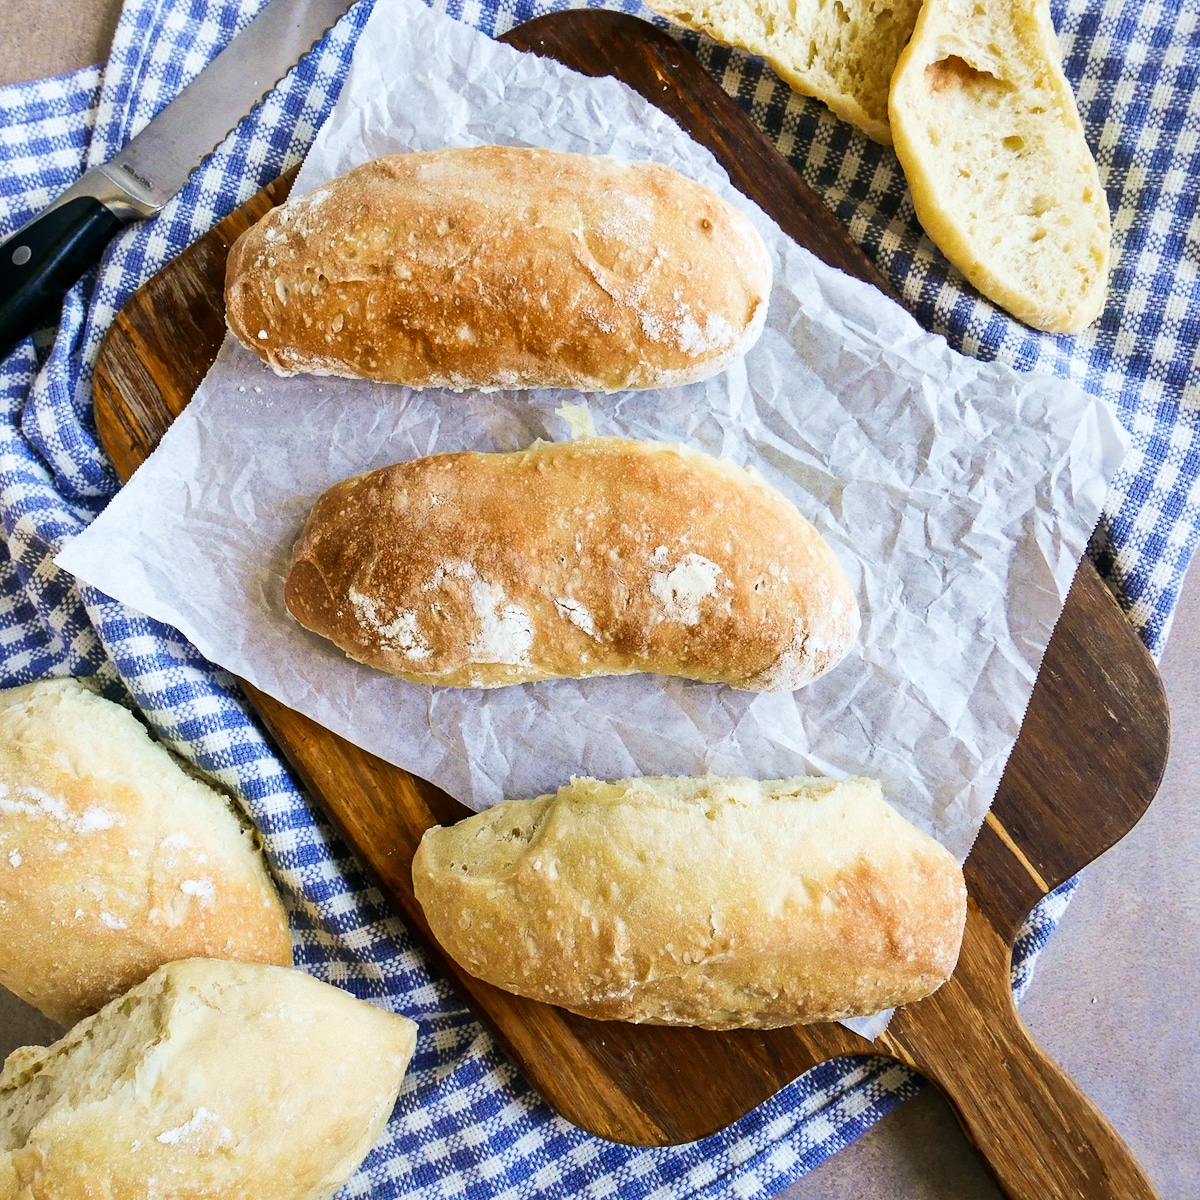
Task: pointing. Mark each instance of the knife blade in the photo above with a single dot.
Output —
(42, 259)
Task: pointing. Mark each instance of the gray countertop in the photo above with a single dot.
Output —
(1115, 995)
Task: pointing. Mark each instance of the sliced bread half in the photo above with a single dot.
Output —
(986, 128)
(840, 51)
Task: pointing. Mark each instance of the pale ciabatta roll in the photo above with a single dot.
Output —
(113, 860)
(1002, 179)
(208, 1081)
(502, 267)
(723, 903)
(600, 556)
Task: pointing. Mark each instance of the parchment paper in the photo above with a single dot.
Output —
(958, 495)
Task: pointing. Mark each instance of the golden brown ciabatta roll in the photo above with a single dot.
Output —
(723, 903)
(209, 1079)
(502, 267)
(113, 860)
(601, 556)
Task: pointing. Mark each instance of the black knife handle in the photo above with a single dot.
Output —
(41, 261)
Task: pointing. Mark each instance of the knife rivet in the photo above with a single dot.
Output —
(21, 255)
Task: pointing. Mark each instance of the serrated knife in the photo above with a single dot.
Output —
(43, 258)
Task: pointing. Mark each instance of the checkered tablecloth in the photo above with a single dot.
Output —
(466, 1123)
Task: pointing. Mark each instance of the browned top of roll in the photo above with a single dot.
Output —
(497, 266)
(601, 556)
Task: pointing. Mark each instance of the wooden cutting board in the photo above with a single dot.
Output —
(1088, 761)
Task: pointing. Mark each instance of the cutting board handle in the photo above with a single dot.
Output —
(1039, 1135)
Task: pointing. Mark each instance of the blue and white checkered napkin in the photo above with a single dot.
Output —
(466, 1122)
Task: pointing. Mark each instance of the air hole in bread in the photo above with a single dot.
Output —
(955, 72)
(1013, 142)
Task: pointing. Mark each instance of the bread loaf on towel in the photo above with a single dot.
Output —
(724, 903)
(113, 860)
(600, 556)
(987, 131)
(501, 267)
(220, 1080)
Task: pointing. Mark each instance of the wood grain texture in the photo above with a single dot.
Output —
(1091, 753)
(1038, 1134)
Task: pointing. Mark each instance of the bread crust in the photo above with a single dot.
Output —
(502, 267)
(723, 903)
(112, 859)
(602, 556)
(209, 1081)
(988, 133)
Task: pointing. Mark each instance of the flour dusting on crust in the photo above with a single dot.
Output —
(505, 630)
(681, 589)
(573, 611)
(400, 633)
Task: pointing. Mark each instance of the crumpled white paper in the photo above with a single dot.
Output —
(958, 495)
